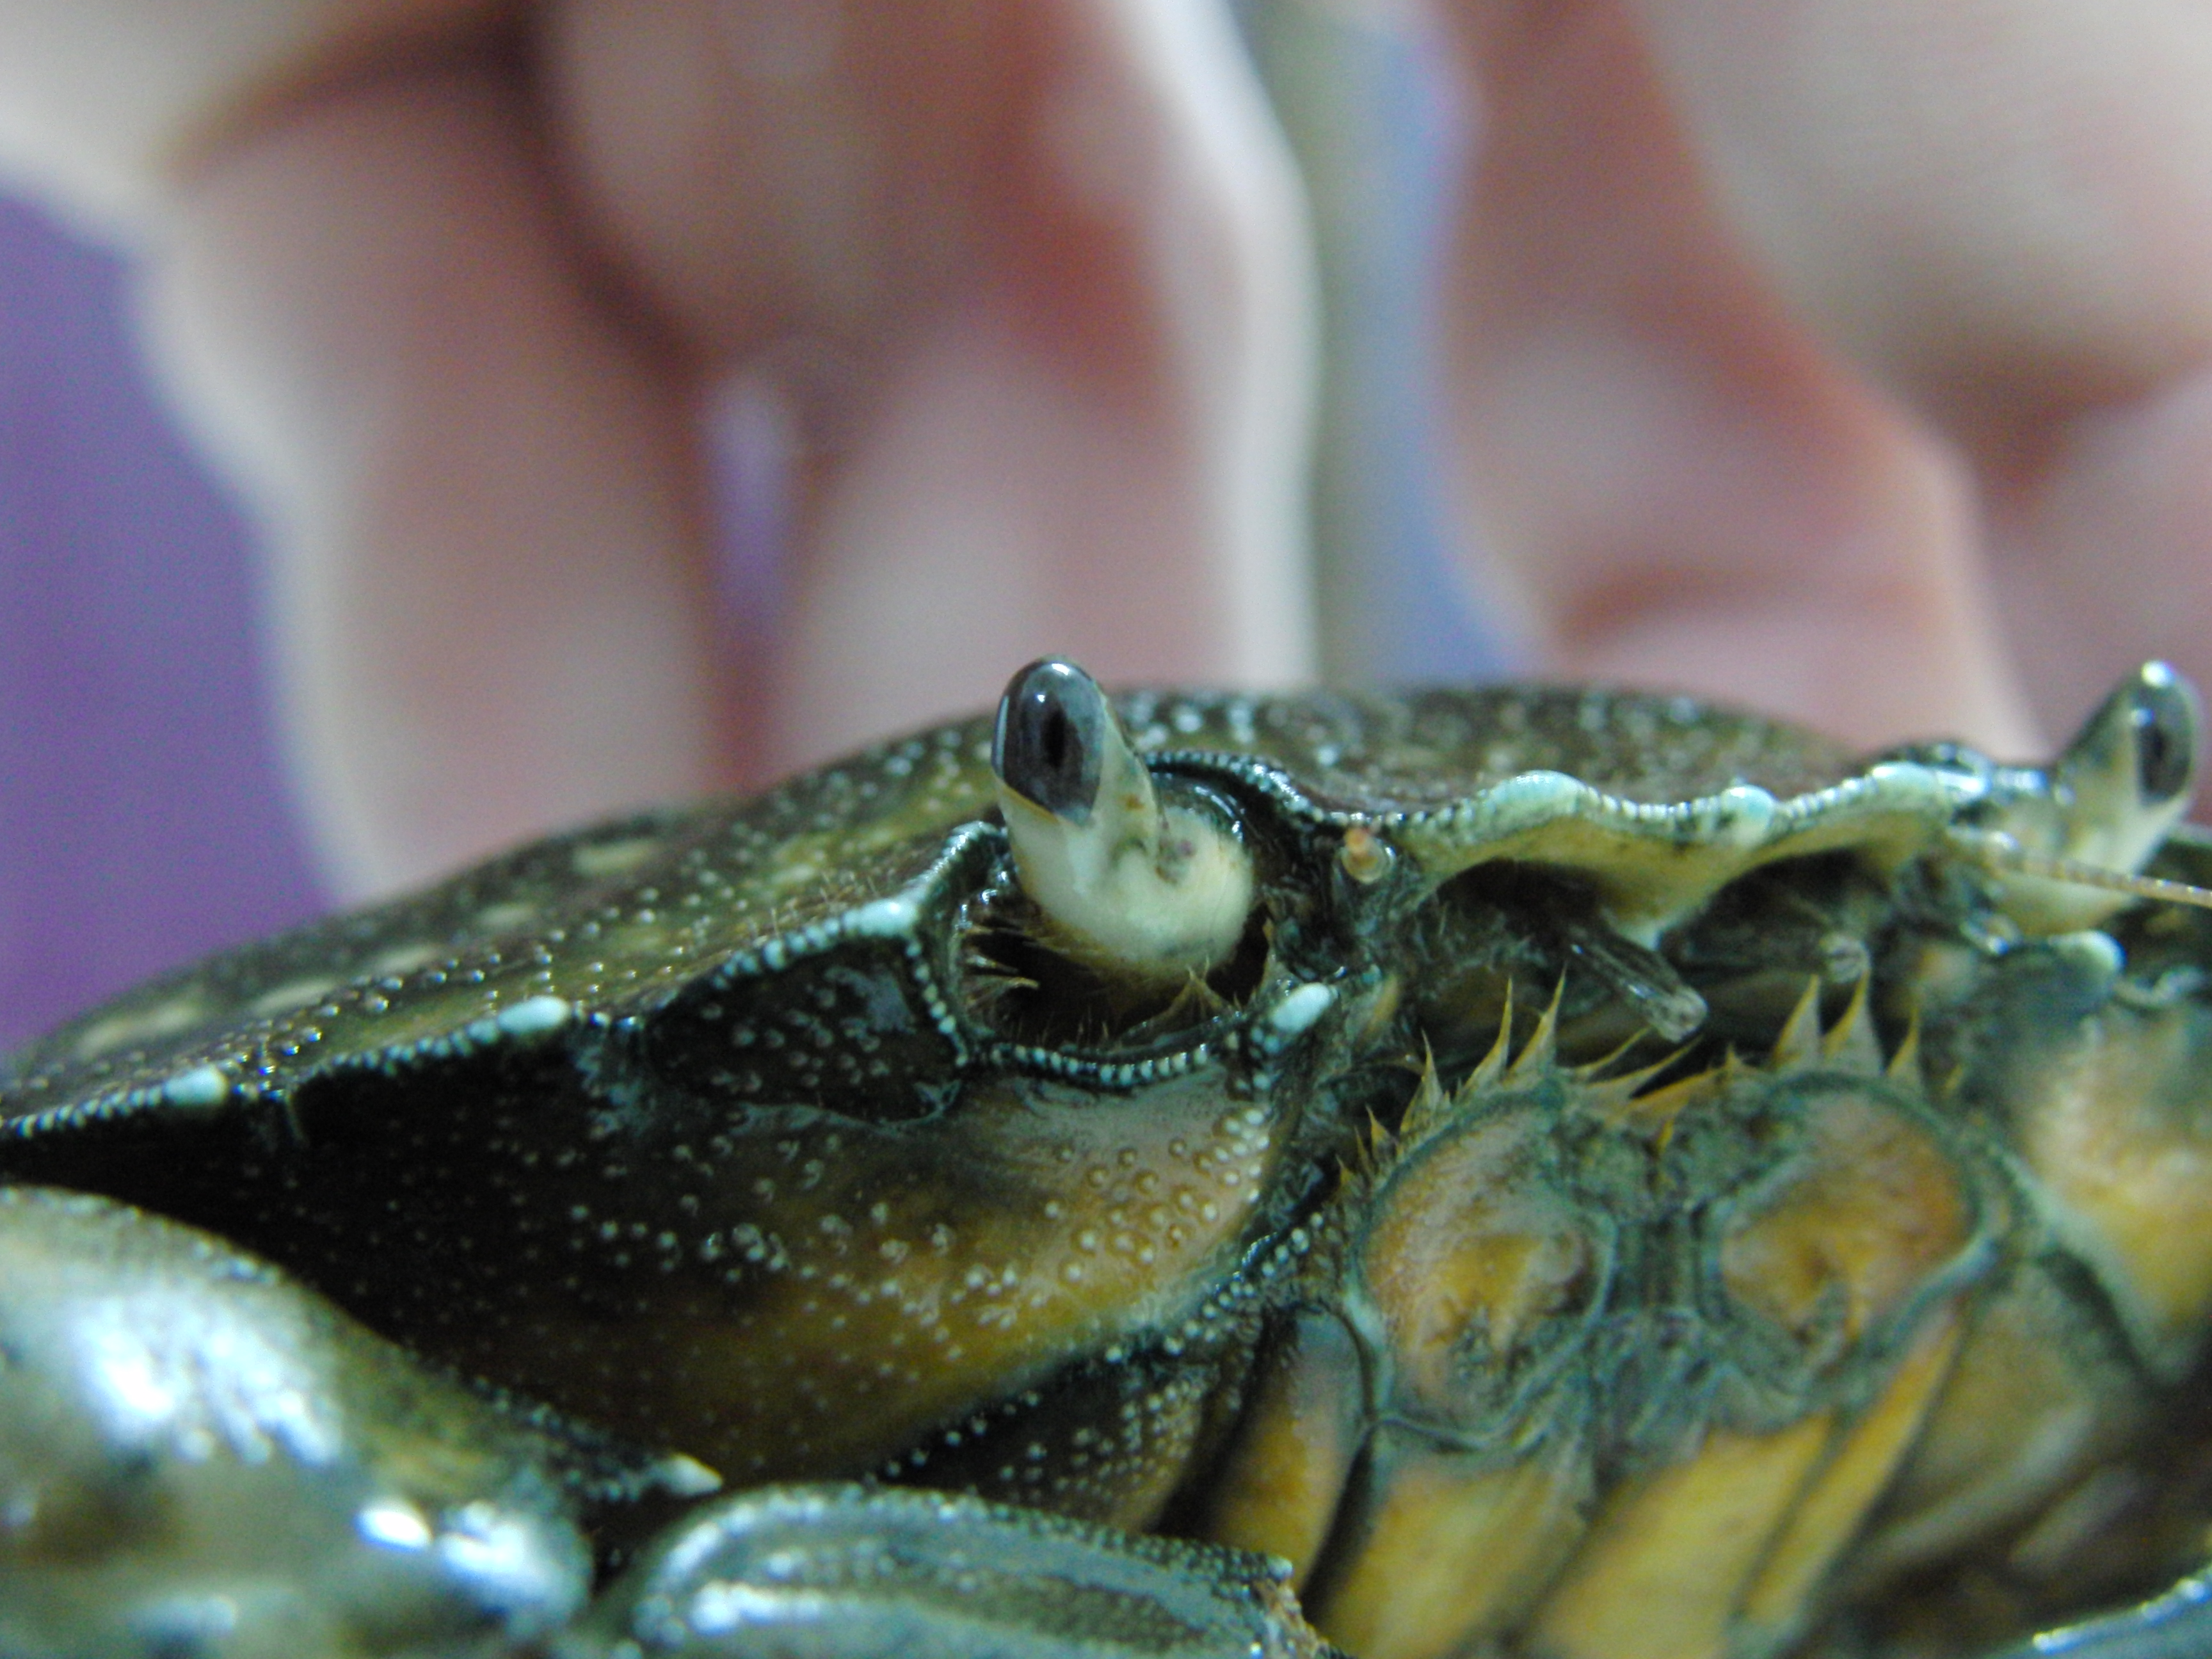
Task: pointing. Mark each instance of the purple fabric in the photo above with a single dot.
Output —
(144, 818)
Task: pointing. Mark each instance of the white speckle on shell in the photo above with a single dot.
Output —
(393, 1522)
(1532, 798)
(534, 1015)
(509, 916)
(292, 994)
(886, 918)
(404, 958)
(201, 1087)
(140, 1025)
(613, 857)
(1743, 817)
(1296, 1013)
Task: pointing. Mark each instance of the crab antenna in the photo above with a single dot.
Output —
(2000, 853)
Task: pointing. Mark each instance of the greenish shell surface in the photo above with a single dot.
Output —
(616, 923)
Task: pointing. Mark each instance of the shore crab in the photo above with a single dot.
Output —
(1543, 1172)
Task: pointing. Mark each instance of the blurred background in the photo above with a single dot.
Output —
(143, 818)
(144, 815)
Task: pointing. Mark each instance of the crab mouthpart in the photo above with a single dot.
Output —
(1135, 889)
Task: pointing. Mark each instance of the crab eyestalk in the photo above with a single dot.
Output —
(2113, 795)
(1139, 890)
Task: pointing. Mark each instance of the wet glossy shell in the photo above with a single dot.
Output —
(1816, 1238)
(612, 927)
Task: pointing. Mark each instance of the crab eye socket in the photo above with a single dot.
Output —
(1051, 736)
(2163, 722)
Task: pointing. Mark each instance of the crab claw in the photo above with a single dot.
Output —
(1135, 887)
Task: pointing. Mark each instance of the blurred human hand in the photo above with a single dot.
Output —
(458, 293)
(1843, 356)
(1846, 357)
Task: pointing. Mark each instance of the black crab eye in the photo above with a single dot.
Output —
(2163, 722)
(1051, 738)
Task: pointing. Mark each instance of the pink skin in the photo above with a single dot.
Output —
(1846, 357)
(1843, 356)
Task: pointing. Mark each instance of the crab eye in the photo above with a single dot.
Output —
(2163, 722)
(1051, 738)
(1147, 892)
(2108, 800)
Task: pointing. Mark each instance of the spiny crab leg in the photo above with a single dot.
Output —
(1135, 887)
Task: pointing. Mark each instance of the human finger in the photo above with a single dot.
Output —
(1027, 282)
(2003, 215)
(1670, 477)
(101, 101)
(478, 486)
(1078, 431)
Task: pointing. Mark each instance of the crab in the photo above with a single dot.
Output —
(1541, 1171)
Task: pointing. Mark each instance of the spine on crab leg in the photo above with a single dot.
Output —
(1634, 1363)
